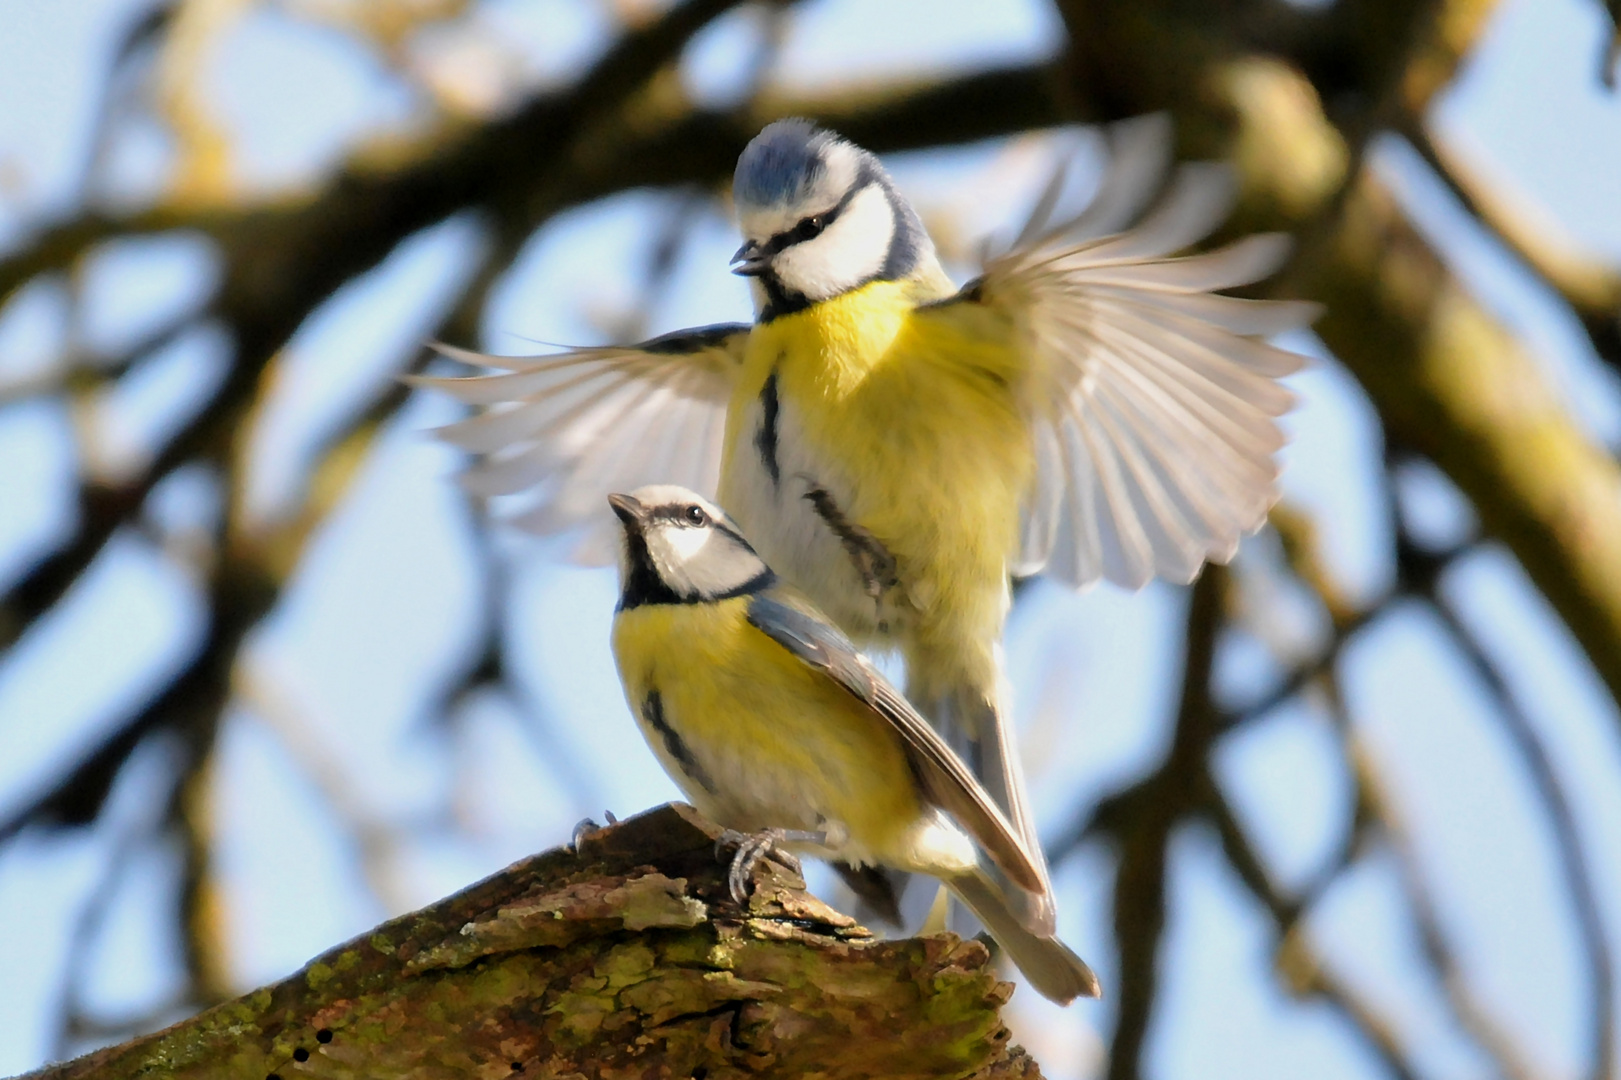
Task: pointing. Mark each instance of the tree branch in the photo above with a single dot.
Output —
(627, 957)
(1589, 286)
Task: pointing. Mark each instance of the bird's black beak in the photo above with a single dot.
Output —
(752, 260)
(629, 510)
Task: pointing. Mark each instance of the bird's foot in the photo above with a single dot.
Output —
(752, 847)
(585, 827)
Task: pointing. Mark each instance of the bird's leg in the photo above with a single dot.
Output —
(751, 848)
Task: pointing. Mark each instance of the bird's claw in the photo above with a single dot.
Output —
(750, 849)
(585, 827)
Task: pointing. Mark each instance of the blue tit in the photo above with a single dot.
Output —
(773, 723)
(898, 448)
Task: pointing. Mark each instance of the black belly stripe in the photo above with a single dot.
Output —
(653, 713)
(872, 560)
(765, 439)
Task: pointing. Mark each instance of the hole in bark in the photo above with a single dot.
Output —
(301, 1054)
(324, 1035)
(517, 1066)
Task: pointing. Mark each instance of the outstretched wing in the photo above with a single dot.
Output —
(1152, 401)
(947, 782)
(576, 425)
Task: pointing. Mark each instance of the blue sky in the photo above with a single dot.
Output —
(340, 801)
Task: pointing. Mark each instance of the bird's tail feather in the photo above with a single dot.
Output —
(877, 891)
(977, 724)
(1047, 964)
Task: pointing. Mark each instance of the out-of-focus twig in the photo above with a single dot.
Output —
(88, 925)
(1375, 803)
(76, 373)
(1309, 977)
(1590, 286)
(1140, 820)
(1612, 47)
(1567, 841)
(1375, 817)
(1302, 970)
(378, 843)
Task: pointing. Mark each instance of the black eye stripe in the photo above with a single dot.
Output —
(811, 227)
(681, 514)
(807, 229)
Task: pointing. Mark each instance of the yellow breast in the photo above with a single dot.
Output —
(913, 422)
(781, 744)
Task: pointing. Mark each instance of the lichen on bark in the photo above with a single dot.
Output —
(626, 959)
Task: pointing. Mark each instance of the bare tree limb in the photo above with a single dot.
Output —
(627, 957)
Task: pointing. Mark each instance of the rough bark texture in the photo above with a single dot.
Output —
(624, 959)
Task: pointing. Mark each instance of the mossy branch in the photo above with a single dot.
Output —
(626, 958)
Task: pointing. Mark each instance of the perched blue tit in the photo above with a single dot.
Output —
(773, 724)
(898, 448)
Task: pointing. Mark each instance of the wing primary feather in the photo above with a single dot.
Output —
(523, 419)
(1045, 505)
(505, 476)
(1042, 212)
(1216, 407)
(1234, 314)
(1239, 263)
(1184, 436)
(1188, 535)
(1218, 359)
(541, 377)
(1140, 152)
(578, 495)
(1085, 534)
(1123, 548)
(574, 425)
(1199, 198)
(1258, 358)
(1183, 483)
(1169, 548)
(1244, 483)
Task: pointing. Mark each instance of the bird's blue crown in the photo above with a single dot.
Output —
(782, 164)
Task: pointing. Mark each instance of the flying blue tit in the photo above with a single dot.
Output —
(898, 448)
(774, 725)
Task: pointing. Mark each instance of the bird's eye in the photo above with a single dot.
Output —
(696, 516)
(811, 227)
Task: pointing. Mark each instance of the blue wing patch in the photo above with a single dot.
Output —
(818, 643)
(945, 780)
(695, 340)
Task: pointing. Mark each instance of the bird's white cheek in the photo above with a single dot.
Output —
(685, 544)
(701, 561)
(850, 251)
